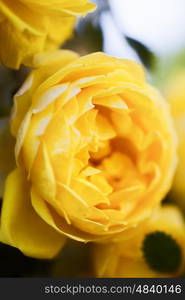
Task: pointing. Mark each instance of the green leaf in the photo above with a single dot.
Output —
(145, 54)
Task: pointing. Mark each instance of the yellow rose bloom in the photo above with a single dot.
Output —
(95, 150)
(175, 93)
(156, 250)
(28, 27)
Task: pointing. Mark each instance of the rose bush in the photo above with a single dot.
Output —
(95, 152)
(28, 27)
(156, 250)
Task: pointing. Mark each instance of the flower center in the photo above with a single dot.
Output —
(115, 155)
(161, 252)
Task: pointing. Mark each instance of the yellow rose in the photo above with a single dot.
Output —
(175, 93)
(28, 27)
(156, 250)
(95, 150)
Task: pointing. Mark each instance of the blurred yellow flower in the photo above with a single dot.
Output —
(156, 250)
(95, 150)
(175, 93)
(28, 27)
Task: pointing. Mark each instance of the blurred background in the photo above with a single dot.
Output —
(149, 32)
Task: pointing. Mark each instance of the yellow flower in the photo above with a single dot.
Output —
(175, 92)
(156, 250)
(95, 150)
(28, 27)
